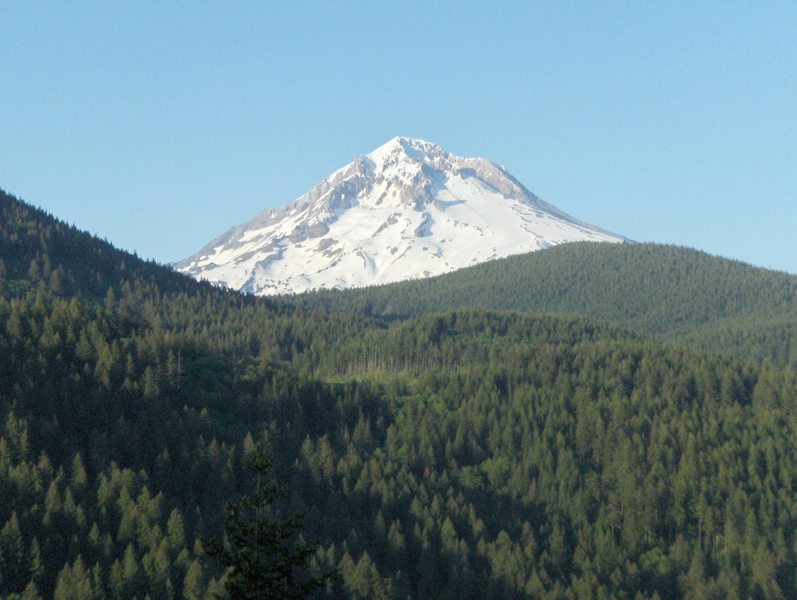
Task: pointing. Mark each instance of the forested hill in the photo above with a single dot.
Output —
(668, 291)
(39, 249)
(651, 288)
(701, 301)
(461, 455)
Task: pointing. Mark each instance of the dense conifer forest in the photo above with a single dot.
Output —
(670, 292)
(618, 422)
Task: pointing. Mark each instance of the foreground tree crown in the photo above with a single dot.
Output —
(262, 555)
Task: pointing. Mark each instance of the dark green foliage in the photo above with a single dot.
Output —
(667, 291)
(39, 251)
(262, 557)
(468, 454)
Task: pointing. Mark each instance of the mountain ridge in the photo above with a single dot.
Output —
(666, 291)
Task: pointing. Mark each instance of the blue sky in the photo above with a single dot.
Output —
(161, 125)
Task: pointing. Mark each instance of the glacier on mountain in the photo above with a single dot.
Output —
(406, 210)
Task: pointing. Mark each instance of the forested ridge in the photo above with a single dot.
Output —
(671, 292)
(464, 454)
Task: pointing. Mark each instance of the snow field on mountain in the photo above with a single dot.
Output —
(406, 210)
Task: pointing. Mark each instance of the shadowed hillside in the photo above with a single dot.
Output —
(465, 454)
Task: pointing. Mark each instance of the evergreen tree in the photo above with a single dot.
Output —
(263, 557)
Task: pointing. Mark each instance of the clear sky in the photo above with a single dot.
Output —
(159, 125)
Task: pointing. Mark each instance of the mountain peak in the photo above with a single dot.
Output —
(404, 149)
(405, 144)
(407, 209)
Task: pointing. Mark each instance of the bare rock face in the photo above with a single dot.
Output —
(406, 210)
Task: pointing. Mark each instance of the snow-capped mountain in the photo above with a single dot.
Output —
(406, 210)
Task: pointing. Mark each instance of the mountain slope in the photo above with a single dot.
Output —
(461, 455)
(39, 249)
(706, 301)
(406, 210)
